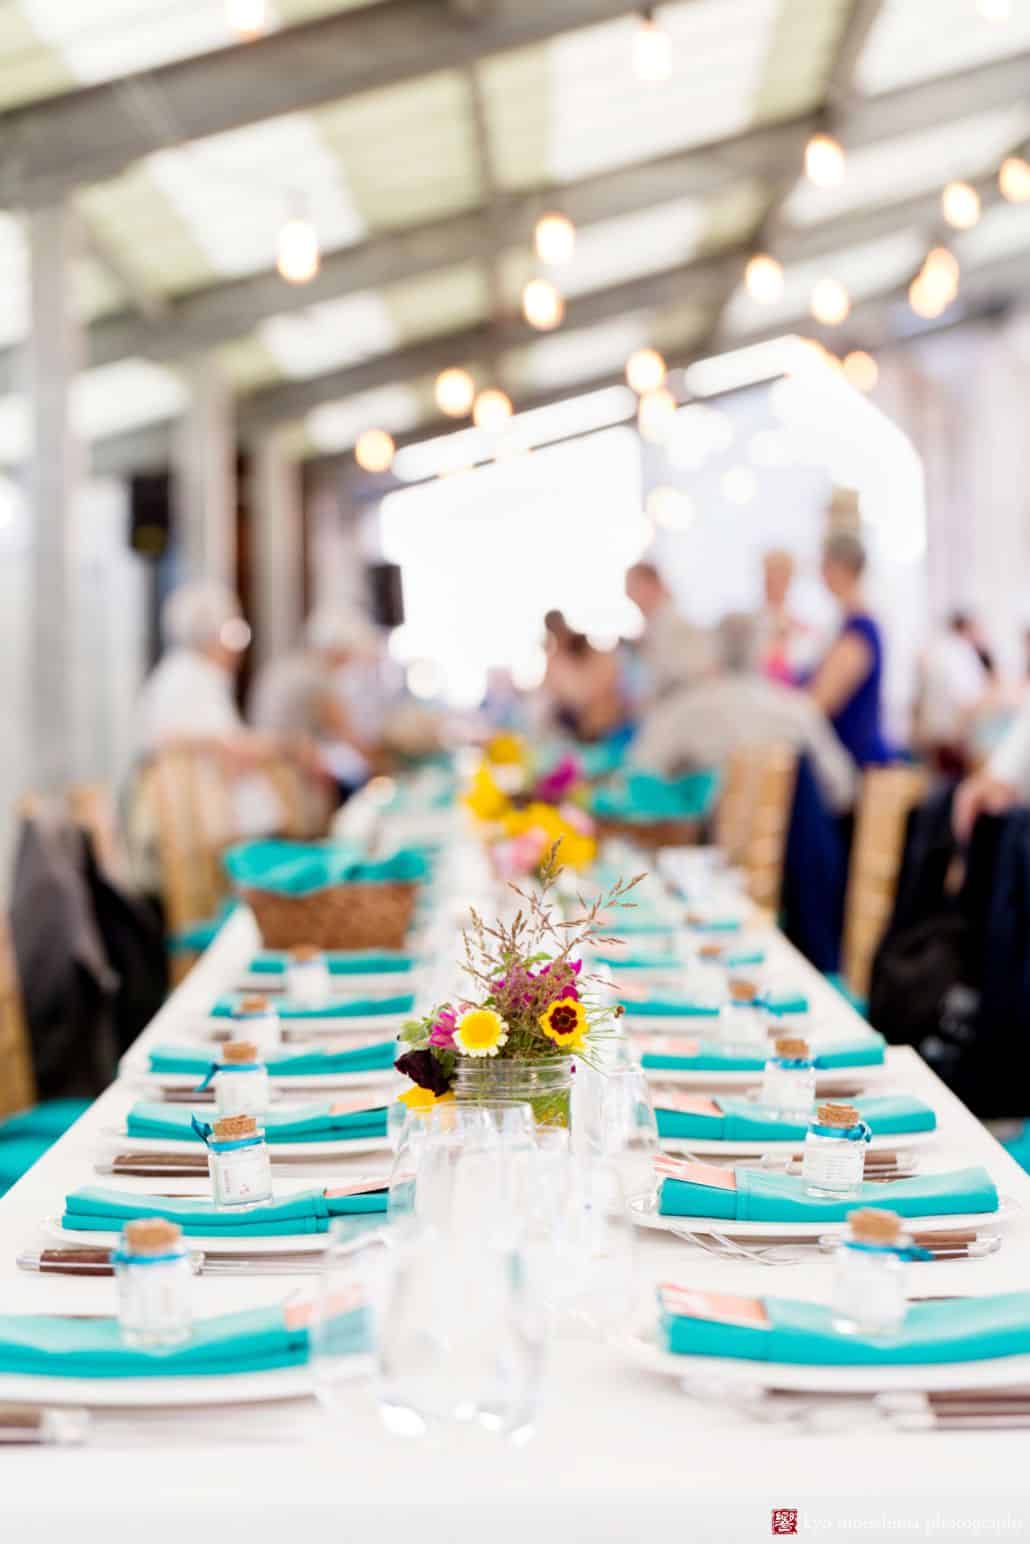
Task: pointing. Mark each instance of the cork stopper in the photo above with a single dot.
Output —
(239, 1051)
(254, 1002)
(843, 1116)
(870, 1226)
(151, 1235)
(305, 953)
(232, 1127)
(742, 990)
(792, 1047)
(710, 951)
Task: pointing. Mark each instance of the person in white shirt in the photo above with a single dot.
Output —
(675, 652)
(955, 681)
(703, 725)
(1002, 783)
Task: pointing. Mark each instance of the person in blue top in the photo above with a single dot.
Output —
(848, 684)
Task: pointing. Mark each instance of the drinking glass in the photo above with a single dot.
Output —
(341, 1318)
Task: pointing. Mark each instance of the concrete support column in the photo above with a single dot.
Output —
(53, 356)
(278, 550)
(205, 475)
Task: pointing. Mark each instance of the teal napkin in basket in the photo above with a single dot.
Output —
(356, 962)
(256, 1340)
(965, 1329)
(341, 1008)
(766, 1196)
(314, 1123)
(868, 1051)
(299, 868)
(646, 796)
(741, 1121)
(95, 1209)
(168, 1059)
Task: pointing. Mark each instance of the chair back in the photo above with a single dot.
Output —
(193, 807)
(17, 1080)
(754, 814)
(886, 797)
(306, 800)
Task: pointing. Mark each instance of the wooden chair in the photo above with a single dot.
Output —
(17, 1080)
(732, 813)
(306, 800)
(754, 814)
(190, 798)
(91, 807)
(887, 795)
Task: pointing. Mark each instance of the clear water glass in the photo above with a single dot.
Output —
(341, 1317)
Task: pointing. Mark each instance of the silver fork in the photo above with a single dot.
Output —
(724, 1248)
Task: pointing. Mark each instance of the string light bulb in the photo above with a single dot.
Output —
(375, 450)
(645, 370)
(940, 276)
(1014, 179)
(861, 370)
(763, 278)
(824, 161)
(248, 18)
(455, 392)
(830, 302)
(960, 205)
(656, 414)
(924, 300)
(298, 257)
(554, 239)
(542, 305)
(652, 50)
(491, 410)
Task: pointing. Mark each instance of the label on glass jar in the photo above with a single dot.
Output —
(833, 1163)
(155, 1295)
(242, 1175)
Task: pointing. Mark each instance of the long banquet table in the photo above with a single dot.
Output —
(618, 1451)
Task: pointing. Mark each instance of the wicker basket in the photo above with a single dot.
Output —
(653, 833)
(358, 916)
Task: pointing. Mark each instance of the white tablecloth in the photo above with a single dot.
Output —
(618, 1453)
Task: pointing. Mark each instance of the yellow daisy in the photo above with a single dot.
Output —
(480, 1032)
(506, 750)
(484, 798)
(565, 1022)
(420, 1100)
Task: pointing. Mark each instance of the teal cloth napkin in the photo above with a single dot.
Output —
(966, 1329)
(256, 1340)
(671, 1008)
(96, 1210)
(168, 1059)
(339, 1008)
(641, 961)
(767, 1196)
(357, 962)
(741, 1121)
(643, 796)
(314, 1123)
(712, 1057)
(299, 868)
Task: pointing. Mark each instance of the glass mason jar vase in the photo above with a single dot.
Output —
(544, 1083)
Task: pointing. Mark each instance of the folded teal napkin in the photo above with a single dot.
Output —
(357, 962)
(868, 1051)
(299, 868)
(740, 1121)
(256, 1340)
(671, 1008)
(168, 1059)
(766, 1196)
(643, 796)
(314, 1123)
(964, 1329)
(781, 1003)
(737, 959)
(643, 961)
(338, 1008)
(94, 1209)
(716, 924)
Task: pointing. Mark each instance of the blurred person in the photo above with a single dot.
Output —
(675, 652)
(848, 684)
(1002, 783)
(955, 681)
(582, 686)
(701, 726)
(786, 642)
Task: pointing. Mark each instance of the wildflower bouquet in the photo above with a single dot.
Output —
(530, 1001)
(523, 823)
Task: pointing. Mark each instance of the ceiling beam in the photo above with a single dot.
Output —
(840, 90)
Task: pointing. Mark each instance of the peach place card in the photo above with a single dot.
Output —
(351, 1106)
(692, 1173)
(665, 1045)
(687, 1104)
(718, 1307)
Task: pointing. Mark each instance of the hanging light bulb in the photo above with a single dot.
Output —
(652, 50)
(924, 301)
(861, 370)
(656, 414)
(960, 205)
(542, 305)
(763, 277)
(554, 239)
(645, 370)
(455, 392)
(247, 17)
(824, 161)
(298, 258)
(940, 276)
(830, 302)
(374, 450)
(1014, 179)
(492, 410)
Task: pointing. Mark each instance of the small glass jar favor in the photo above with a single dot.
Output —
(308, 980)
(155, 1281)
(739, 1025)
(869, 1275)
(833, 1161)
(238, 1161)
(256, 1020)
(744, 987)
(241, 1081)
(788, 1084)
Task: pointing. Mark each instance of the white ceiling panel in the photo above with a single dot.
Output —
(916, 40)
(336, 425)
(329, 336)
(1003, 231)
(577, 356)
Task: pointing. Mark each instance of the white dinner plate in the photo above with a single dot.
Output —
(709, 1147)
(230, 1389)
(380, 1026)
(315, 1151)
(289, 1243)
(151, 1083)
(643, 1210)
(839, 1078)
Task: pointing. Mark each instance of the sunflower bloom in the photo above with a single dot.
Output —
(565, 1022)
(480, 1032)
